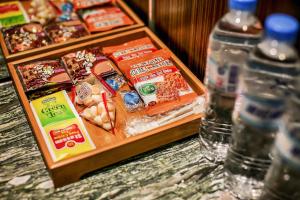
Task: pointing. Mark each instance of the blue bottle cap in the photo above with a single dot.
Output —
(282, 27)
(243, 5)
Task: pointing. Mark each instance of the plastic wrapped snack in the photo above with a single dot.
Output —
(64, 31)
(43, 77)
(83, 65)
(63, 130)
(80, 4)
(131, 100)
(115, 81)
(41, 11)
(25, 37)
(99, 107)
(130, 50)
(104, 19)
(158, 81)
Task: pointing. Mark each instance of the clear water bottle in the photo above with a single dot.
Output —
(266, 82)
(282, 181)
(230, 42)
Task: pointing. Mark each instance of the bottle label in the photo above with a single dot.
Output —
(223, 77)
(259, 112)
(288, 146)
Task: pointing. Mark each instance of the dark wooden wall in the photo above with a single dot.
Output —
(184, 25)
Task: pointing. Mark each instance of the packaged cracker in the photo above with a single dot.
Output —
(158, 81)
(80, 4)
(131, 100)
(43, 77)
(104, 19)
(63, 130)
(24, 37)
(83, 65)
(130, 50)
(12, 13)
(64, 31)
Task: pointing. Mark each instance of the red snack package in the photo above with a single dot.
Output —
(158, 81)
(103, 19)
(130, 50)
(80, 4)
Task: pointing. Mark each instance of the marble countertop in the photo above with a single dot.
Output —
(172, 172)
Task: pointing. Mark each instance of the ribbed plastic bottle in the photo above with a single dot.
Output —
(229, 44)
(266, 83)
(282, 181)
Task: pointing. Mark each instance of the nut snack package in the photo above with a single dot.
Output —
(12, 13)
(130, 50)
(104, 19)
(83, 65)
(43, 77)
(24, 37)
(80, 4)
(158, 81)
(63, 130)
(64, 31)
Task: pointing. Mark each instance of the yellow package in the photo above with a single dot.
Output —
(61, 126)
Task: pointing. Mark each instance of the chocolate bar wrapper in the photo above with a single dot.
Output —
(43, 77)
(25, 37)
(64, 31)
(83, 65)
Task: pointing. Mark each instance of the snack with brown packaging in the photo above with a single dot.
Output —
(64, 31)
(25, 37)
(104, 19)
(43, 77)
(83, 65)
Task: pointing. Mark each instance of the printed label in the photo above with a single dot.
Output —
(222, 77)
(259, 112)
(288, 146)
(84, 91)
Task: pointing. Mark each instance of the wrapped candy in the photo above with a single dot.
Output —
(41, 11)
(99, 107)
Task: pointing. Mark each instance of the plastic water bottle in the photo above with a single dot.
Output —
(283, 178)
(230, 42)
(266, 83)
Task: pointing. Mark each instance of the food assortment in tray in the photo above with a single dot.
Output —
(60, 22)
(107, 93)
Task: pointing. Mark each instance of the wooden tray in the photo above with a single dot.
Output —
(120, 3)
(109, 148)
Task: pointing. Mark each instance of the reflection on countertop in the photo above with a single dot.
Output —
(171, 172)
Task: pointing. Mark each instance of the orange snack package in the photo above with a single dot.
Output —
(104, 19)
(130, 50)
(80, 4)
(158, 81)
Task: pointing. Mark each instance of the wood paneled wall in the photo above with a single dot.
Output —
(185, 25)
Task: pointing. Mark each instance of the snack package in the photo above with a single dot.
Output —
(12, 13)
(83, 65)
(131, 100)
(80, 4)
(115, 81)
(99, 107)
(43, 77)
(63, 130)
(104, 19)
(24, 37)
(64, 31)
(41, 11)
(130, 50)
(158, 81)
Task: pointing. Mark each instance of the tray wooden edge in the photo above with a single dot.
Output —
(16, 56)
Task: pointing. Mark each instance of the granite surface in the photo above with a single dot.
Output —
(172, 172)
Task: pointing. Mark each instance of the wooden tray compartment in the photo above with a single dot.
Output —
(109, 148)
(120, 3)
